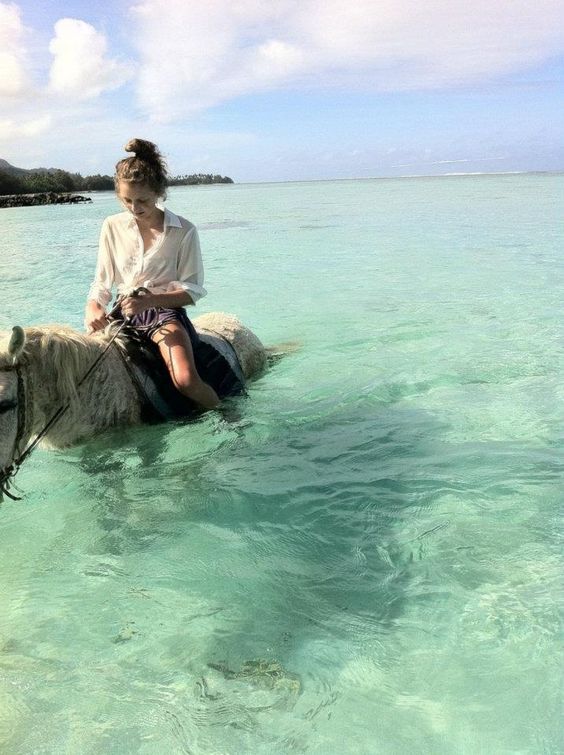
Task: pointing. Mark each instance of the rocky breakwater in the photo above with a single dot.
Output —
(33, 200)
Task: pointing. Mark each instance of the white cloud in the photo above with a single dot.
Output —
(200, 53)
(13, 78)
(81, 68)
(10, 129)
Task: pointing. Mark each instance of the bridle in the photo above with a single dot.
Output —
(24, 420)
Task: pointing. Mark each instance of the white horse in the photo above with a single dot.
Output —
(40, 368)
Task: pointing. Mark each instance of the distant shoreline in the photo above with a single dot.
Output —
(40, 199)
(16, 181)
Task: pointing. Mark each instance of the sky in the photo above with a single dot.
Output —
(282, 90)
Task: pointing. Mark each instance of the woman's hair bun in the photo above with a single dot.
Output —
(142, 148)
(146, 166)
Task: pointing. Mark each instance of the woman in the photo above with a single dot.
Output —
(156, 249)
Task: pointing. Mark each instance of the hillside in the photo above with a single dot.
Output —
(11, 170)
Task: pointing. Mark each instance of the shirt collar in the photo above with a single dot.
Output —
(170, 219)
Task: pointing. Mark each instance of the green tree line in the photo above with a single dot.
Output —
(61, 181)
(199, 178)
(58, 181)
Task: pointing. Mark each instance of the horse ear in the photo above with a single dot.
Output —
(17, 341)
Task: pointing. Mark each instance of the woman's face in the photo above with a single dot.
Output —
(138, 199)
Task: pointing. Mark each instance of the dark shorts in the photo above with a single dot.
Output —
(212, 366)
(148, 322)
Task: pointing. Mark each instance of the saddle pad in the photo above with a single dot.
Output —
(162, 401)
(231, 384)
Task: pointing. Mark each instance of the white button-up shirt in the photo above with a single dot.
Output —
(173, 263)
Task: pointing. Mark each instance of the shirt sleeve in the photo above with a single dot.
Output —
(190, 269)
(101, 288)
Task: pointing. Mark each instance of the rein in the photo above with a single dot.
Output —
(8, 473)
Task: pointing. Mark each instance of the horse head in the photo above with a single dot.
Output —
(11, 412)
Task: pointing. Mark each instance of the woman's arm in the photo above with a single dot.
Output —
(100, 293)
(189, 268)
(94, 316)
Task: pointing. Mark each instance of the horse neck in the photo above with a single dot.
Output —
(57, 361)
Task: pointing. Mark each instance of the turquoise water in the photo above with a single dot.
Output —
(366, 558)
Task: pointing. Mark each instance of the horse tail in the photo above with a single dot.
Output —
(277, 352)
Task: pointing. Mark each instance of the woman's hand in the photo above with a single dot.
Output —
(94, 317)
(134, 305)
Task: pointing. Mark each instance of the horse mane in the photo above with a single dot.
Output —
(60, 349)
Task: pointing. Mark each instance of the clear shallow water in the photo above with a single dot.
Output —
(380, 523)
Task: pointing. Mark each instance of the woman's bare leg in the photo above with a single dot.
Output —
(176, 350)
